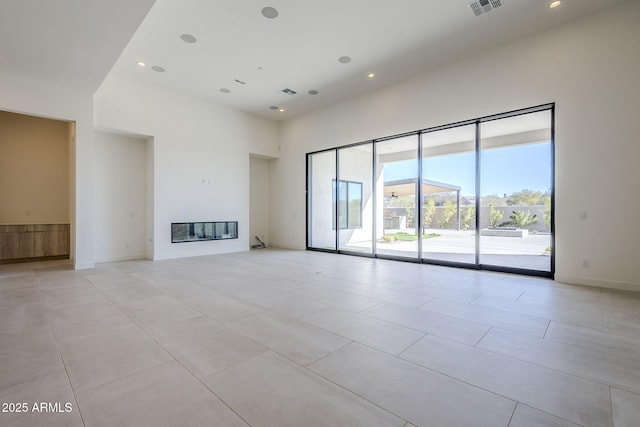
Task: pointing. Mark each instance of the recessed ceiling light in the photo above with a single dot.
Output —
(158, 69)
(225, 90)
(274, 107)
(344, 59)
(371, 75)
(313, 92)
(141, 64)
(188, 38)
(269, 12)
(281, 110)
(555, 4)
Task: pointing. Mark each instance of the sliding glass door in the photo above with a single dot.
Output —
(397, 223)
(448, 194)
(321, 207)
(477, 193)
(516, 182)
(355, 198)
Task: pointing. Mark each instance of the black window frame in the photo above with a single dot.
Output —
(336, 196)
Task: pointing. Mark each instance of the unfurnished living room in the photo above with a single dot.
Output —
(297, 213)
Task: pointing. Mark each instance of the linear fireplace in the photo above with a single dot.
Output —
(182, 232)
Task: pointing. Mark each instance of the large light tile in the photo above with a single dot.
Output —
(296, 340)
(24, 320)
(158, 310)
(339, 299)
(24, 358)
(82, 319)
(585, 296)
(441, 325)
(205, 346)
(498, 284)
(178, 289)
(566, 396)
(158, 276)
(57, 298)
(221, 307)
(332, 294)
(108, 278)
(621, 303)
(113, 352)
(271, 391)
(259, 288)
(293, 305)
(165, 395)
(488, 316)
(52, 388)
(418, 395)
(442, 289)
(626, 408)
(19, 296)
(539, 309)
(16, 270)
(49, 280)
(366, 330)
(622, 326)
(17, 282)
(608, 301)
(605, 368)
(605, 342)
(129, 292)
(529, 417)
(382, 293)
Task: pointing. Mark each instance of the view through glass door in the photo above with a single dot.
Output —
(477, 193)
(449, 194)
(516, 183)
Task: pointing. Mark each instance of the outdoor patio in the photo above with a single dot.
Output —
(459, 246)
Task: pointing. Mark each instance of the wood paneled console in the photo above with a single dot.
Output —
(21, 242)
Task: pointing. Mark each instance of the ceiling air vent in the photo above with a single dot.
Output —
(483, 6)
(289, 91)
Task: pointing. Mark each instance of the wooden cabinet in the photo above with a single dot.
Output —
(19, 242)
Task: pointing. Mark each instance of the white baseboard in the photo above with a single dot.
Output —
(282, 246)
(587, 281)
(122, 258)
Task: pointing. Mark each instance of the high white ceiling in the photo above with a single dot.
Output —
(73, 42)
(67, 43)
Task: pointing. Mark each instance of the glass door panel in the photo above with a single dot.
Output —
(355, 198)
(516, 183)
(396, 194)
(320, 194)
(449, 195)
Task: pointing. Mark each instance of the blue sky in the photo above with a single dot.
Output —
(504, 170)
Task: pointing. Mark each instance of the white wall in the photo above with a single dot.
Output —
(355, 165)
(28, 97)
(201, 158)
(120, 183)
(34, 170)
(259, 200)
(150, 158)
(589, 68)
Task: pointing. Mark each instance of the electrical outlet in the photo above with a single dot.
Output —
(586, 263)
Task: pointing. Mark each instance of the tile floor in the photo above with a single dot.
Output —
(292, 338)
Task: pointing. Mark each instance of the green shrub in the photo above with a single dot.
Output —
(495, 216)
(429, 211)
(521, 219)
(468, 217)
(449, 209)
